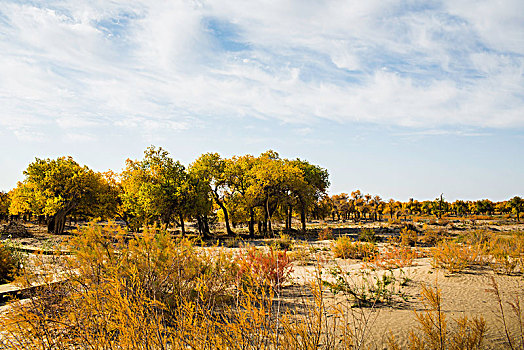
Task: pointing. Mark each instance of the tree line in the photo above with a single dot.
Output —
(359, 206)
(249, 190)
(159, 189)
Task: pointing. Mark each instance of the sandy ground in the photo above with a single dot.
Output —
(462, 294)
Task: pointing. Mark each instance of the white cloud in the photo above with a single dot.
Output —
(155, 65)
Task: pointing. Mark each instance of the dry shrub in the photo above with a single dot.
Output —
(326, 233)
(120, 290)
(10, 263)
(344, 248)
(271, 268)
(433, 329)
(301, 255)
(477, 237)
(116, 298)
(456, 257)
(507, 254)
(408, 237)
(431, 236)
(392, 257)
(368, 235)
(284, 242)
(482, 217)
(443, 222)
(394, 221)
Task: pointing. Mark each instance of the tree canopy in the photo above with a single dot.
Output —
(57, 187)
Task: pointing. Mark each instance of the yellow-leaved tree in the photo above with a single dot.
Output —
(58, 187)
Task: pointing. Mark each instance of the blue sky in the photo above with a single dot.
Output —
(397, 98)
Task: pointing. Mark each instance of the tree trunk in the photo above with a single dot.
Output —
(251, 223)
(182, 227)
(226, 215)
(200, 225)
(57, 222)
(205, 221)
(290, 217)
(268, 217)
(303, 217)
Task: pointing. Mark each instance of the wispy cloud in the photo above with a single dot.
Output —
(174, 64)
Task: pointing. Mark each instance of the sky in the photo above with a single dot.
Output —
(396, 98)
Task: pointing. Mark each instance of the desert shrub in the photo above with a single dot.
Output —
(392, 257)
(344, 248)
(431, 236)
(11, 263)
(476, 237)
(284, 242)
(326, 233)
(301, 255)
(265, 268)
(120, 290)
(434, 331)
(120, 313)
(368, 235)
(506, 254)
(456, 257)
(408, 237)
(364, 287)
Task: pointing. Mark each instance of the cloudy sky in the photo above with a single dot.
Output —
(397, 98)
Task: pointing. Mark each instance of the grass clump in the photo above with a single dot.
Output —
(456, 257)
(344, 248)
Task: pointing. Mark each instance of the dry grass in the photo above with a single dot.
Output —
(344, 248)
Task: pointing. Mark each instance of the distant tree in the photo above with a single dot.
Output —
(340, 206)
(57, 187)
(5, 201)
(460, 207)
(358, 203)
(484, 206)
(390, 207)
(377, 206)
(517, 204)
(323, 207)
(440, 206)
